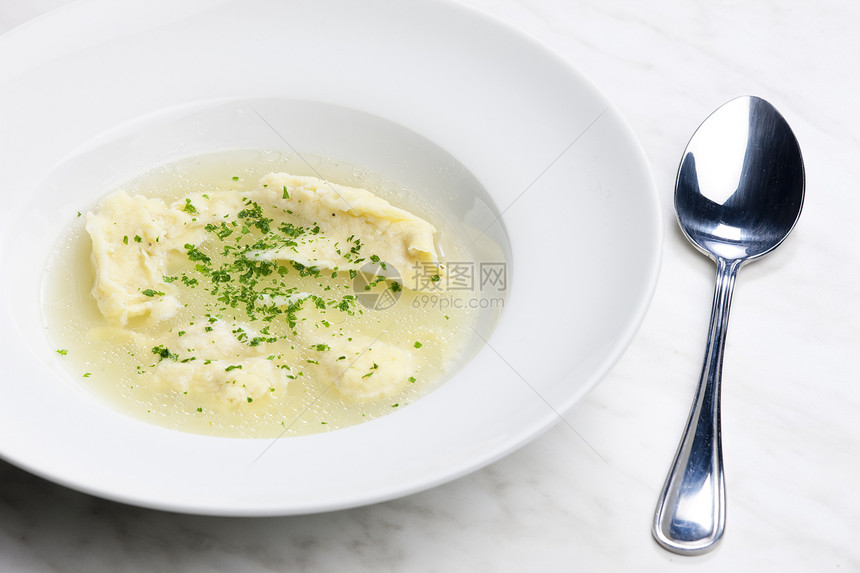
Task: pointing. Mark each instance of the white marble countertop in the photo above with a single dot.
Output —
(581, 497)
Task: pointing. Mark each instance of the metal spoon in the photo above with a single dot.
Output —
(739, 193)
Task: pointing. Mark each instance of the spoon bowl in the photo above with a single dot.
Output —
(738, 195)
(740, 186)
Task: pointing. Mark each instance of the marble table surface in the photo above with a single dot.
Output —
(581, 497)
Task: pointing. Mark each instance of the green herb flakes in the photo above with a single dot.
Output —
(164, 353)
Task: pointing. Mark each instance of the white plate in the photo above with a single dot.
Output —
(576, 197)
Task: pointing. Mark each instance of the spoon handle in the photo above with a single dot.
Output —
(691, 513)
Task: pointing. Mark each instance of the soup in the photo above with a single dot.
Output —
(249, 294)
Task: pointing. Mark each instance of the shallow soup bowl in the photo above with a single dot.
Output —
(481, 122)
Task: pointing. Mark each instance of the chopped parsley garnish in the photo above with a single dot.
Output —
(150, 292)
(194, 254)
(222, 230)
(253, 214)
(62, 351)
(220, 276)
(164, 353)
